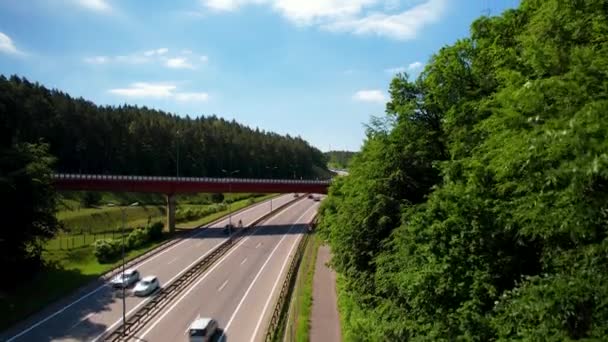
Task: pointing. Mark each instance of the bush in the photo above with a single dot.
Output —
(90, 199)
(137, 238)
(217, 197)
(106, 250)
(155, 231)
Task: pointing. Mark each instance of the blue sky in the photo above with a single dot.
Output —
(314, 68)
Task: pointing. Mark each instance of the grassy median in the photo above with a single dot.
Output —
(70, 268)
(297, 326)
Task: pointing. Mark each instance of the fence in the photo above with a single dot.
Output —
(273, 332)
(296, 303)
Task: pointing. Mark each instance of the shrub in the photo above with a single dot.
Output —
(217, 197)
(137, 238)
(155, 231)
(106, 250)
(90, 199)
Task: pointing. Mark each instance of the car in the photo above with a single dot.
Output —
(146, 286)
(296, 195)
(202, 329)
(125, 279)
(317, 199)
(310, 196)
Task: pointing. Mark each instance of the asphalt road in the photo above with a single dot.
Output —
(100, 310)
(240, 289)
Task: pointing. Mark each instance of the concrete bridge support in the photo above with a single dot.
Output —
(170, 212)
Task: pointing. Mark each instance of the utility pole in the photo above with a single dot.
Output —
(271, 169)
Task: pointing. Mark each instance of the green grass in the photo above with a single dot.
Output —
(69, 269)
(234, 207)
(297, 326)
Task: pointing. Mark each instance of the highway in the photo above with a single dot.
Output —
(241, 288)
(100, 310)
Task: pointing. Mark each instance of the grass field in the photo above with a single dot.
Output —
(70, 268)
(297, 326)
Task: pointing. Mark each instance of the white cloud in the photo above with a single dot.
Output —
(412, 67)
(7, 45)
(309, 11)
(132, 59)
(179, 63)
(185, 59)
(395, 70)
(160, 51)
(96, 60)
(402, 26)
(143, 89)
(415, 66)
(198, 97)
(95, 5)
(352, 16)
(373, 95)
(159, 90)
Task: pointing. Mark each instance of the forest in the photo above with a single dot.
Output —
(477, 209)
(44, 131)
(86, 138)
(339, 159)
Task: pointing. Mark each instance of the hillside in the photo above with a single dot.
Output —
(477, 208)
(87, 138)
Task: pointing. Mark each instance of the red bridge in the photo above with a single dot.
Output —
(180, 185)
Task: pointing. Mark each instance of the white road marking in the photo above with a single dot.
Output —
(192, 287)
(274, 287)
(35, 325)
(238, 307)
(172, 260)
(258, 245)
(179, 274)
(244, 261)
(223, 285)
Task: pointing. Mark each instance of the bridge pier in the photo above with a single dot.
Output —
(170, 213)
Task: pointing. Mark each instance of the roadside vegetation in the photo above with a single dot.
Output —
(339, 159)
(477, 208)
(297, 327)
(76, 263)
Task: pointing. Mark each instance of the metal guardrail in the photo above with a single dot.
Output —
(165, 295)
(69, 176)
(282, 303)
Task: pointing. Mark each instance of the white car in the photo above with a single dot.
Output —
(202, 329)
(121, 280)
(146, 286)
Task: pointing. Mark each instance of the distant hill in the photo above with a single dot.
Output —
(339, 159)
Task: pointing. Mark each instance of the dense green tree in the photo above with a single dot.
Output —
(87, 138)
(501, 157)
(28, 209)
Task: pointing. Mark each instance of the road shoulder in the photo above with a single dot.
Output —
(324, 320)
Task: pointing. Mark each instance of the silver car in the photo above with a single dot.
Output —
(146, 286)
(125, 279)
(202, 329)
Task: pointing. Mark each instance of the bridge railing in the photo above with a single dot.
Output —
(70, 176)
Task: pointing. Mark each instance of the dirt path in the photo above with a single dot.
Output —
(324, 320)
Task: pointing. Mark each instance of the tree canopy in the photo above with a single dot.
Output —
(339, 159)
(478, 207)
(87, 138)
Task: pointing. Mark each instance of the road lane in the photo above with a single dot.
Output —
(239, 281)
(98, 310)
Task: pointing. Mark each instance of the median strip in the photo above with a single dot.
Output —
(145, 313)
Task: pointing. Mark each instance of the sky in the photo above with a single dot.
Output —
(311, 68)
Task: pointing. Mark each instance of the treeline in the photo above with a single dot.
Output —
(132, 140)
(339, 159)
(478, 207)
